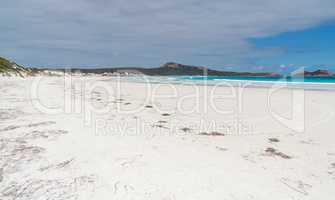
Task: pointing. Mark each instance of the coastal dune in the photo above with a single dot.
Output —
(105, 138)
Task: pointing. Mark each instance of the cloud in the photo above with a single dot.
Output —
(150, 32)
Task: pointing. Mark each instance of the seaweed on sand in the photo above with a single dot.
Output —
(274, 152)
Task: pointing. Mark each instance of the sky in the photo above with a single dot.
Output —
(239, 35)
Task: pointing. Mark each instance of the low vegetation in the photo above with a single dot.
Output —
(11, 69)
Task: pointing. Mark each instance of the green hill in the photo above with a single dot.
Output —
(9, 68)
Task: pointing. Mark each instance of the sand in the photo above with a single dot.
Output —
(98, 138)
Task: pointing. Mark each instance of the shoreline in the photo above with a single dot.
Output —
(235, 83)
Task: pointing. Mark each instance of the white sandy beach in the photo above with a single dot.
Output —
(97, 139)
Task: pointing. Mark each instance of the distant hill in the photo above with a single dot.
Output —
(317, 73)
(8, 68)
(174, 69)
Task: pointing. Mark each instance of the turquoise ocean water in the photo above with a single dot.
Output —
(309, 83)
(300, 83)
(315, 80)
